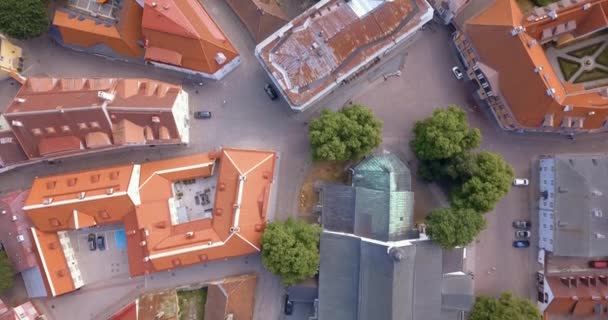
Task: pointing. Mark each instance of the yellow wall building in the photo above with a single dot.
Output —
(10, 58)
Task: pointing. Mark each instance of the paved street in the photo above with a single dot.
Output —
(243, 116)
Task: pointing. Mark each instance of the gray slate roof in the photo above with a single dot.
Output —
(457, 292)
(363, 280)
(581, 187)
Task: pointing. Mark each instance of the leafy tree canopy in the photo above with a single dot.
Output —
(344, 135)
(491, 178)
(450, 227)
(23, 19)
(6, 273)
(507, 307)
(445, 134)
(290, 250)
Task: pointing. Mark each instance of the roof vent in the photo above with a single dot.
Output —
(586, 6)
(20, 100)
(3, 212)
(552, 14)
(143, 243)
(220, 58)
(568, 107)
(597, 213)
(109, 191)
(154, 4)
(14, 218)
(550, 92)
(17, 123)
(105, 95)
(20, 238)
(591, 113)
(156, 119)
(189, 235)
(47, 201)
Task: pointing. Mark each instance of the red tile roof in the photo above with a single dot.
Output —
(15, 231)
(261, 17)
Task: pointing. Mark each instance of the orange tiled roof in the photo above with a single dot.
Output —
(184, 28)
(524, 73)
(52, 262)
(140, 196)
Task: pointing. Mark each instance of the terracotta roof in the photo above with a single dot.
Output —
(234, 296)
(588, 288)
(185, 28)
(129, 312)
(261, 17)
(525, 75)
(82, 30)
(53, 265)
(155, 242)
(10, 150)
(332, 39)
(15, 231)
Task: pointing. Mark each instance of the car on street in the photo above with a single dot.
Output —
(523, 234)
(457, 73)
(522, 224)
(521, 182)
(521, 244)
(270, 91)
(101, 242)
(202, 115)
(288, 306)
(91, 240)
(601, 264)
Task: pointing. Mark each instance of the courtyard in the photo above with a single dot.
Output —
(585, 62)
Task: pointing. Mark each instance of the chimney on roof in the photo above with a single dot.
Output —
(586, 6)
(20, 238)
(591, 113)
(17, 123)
(14, 218)
(538, 69)
(552, 14)
(106, 96)
(189, 235)
(517, 30)
(109, 191)
(3, 212)
(550, 92)
(154, 4)
(20, 100)
(220, 58)
(142, 243)
(568, 107)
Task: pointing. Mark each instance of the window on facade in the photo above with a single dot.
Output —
(72, 181)
(36, 131)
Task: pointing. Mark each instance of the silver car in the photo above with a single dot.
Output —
(523, 234)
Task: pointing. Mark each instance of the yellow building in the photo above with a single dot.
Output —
(11, 60)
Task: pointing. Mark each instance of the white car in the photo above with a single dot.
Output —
(521, 182)
(457, 73)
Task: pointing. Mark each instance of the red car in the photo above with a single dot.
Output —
(598, 264)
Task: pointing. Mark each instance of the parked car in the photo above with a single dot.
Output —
(101, 242)
(522, 224)
(523, 234)
(270, 91)
(288, 306)
(521, 244)
(202, 115)
(457, 73)
(602, 264)
(521, 182)
(92, 244)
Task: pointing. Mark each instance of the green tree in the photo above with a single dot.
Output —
(344, 135)
(507, 307)
(290, 250)
(444, 135)
(490, 180)
(6, 273)
(451, 227)
(23, 19)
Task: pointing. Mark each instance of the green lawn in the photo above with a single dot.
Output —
(568, 67)
(595, 74)
(603, 58)
(585, 51)
(192, 304)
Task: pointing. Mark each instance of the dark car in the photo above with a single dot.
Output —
(92, 244)
(602, 264)
(521, 244)
(522, 224)
(270, 91)
(202, 115)
(288, 306)
(101, 242)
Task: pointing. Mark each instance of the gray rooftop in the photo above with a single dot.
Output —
(363, 279)
(457, 292)
(581, 206)
(378, 205)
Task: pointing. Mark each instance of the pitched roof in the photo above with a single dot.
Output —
(185, 29)
(235, 295)
(526, 79)
(15, 231)
(379, 280)
(332, 39)
(261, 17)
(127, 194)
